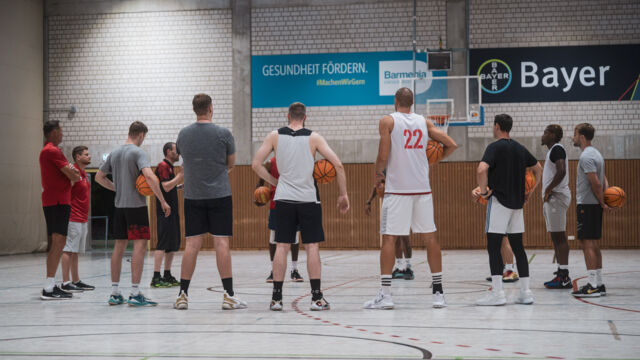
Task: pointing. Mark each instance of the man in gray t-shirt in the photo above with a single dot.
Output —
(208, 156)
(590, 186)
(130, 218)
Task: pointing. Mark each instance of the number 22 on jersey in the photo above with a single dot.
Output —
(417, 134)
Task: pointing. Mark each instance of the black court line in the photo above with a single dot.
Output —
(426, 354)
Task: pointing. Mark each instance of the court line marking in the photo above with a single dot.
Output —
(614, 330)
(575, 287)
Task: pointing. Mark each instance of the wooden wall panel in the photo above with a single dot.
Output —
(460, 222)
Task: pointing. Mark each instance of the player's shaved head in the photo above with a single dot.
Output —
(404, 97)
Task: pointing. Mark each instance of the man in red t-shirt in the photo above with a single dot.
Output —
(56, 175)
(272, 168)
(78, 223)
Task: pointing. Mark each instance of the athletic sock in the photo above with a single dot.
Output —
(294, 265)
(114, 288)
(407, 263)
(385, 281)
(49, 283)
(496, 282)
(436, 282)
(316, 294)
(599, 276)
(135, 289)
(399, 263)
(167, 274)
(156, 274)
(66, 282)
(184, 286)
(563, 267)
(593, 278)
(227, 284)
(524, 283)
(277, 291)
(508, 267)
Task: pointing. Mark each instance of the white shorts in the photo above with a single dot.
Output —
(555, 212)
(76, 237)
(502, 220)
(401, 214)
(272, 237)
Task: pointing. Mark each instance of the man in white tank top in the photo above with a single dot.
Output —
(407, 204)
(296, 197)
(557, 197)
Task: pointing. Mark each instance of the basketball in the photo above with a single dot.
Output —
(324, 172)
(614, 197)
(481, 200)
(529, 182)
(143, 188)
(434, 151)
(262, 195)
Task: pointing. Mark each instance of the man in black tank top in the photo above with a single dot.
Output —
(297, 202)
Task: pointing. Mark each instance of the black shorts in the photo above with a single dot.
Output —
(214, 216)
(272, 220)
(291, 217)
(169, 231)
(57, 218)
(131, 223)
(589, 218)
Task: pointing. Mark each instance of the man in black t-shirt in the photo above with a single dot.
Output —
(502, 170)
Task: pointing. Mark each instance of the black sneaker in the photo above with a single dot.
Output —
(158, 282)
(270, 278)
(295, 276)
(603, 290)
(83, 286)
(397, 274)
(171, 281)
(408, 274)
(587, 291)
(71, 288)
(56, 294)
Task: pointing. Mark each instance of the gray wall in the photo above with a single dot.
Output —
(22, 226)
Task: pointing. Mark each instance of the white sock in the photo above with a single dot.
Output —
(66, 282)
(407, 263)
(563, 267)
(114, 288)
(508, 267)
(524, 283)
(49, 283)
(294, 265)
(135, 289)
(399, 264)
(496, 282)
(599, 276)
(385, 281)
(593, 278)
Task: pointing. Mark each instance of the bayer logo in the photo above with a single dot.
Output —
(495, 76)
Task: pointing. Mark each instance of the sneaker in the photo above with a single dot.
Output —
(232, 303)
(71, 288)
(116, 299)
(525, 297)
(55, 294)
(510, 276)
(140, 300)
(560, 281)
(295, 276)
(438, 300)
(171, 281)
(158, 282)
(381, 301)
(397, 274)
(587, 291)
(182, 302)
(276, 305)
(319, 305)
(603, 290)
(492, 298)
(83, 286)
(408, 274)
(270, 278)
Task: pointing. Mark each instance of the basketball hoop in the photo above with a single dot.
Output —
(440, 121)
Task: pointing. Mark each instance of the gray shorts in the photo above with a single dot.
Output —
(555, 212)
(76, 237)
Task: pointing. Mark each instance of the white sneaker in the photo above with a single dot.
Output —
(438, 300)
(276, 305)
(381, 301)
(492, 298)
(232, 303)
(182, 302)
(320, 305)
(525, 297)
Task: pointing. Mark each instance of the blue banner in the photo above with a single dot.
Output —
(338, 79)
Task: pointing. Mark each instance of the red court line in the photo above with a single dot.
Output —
(575, 287)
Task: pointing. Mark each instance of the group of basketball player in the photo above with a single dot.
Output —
(401, 174)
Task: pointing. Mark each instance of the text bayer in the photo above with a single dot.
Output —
(586, 75)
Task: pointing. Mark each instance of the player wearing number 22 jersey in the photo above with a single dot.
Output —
(407, 204)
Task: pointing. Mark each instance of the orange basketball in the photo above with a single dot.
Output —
(324, 172)
(434, 151)
(262, 195)
(614, 197)
(143, 188)
(480, 200)
(529, 182)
